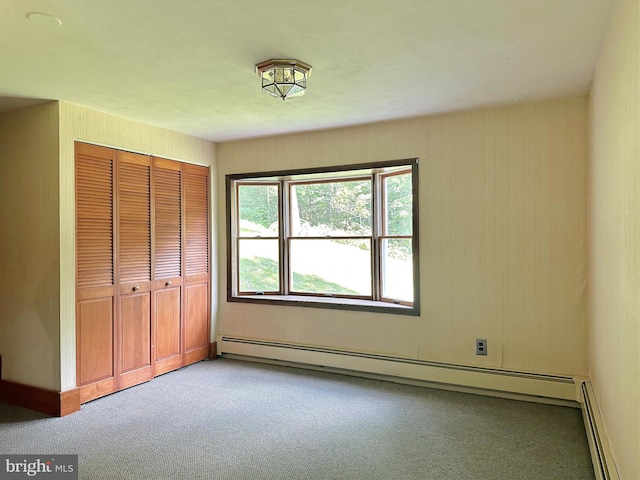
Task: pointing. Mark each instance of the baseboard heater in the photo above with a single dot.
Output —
(603, 463)
(511, 384)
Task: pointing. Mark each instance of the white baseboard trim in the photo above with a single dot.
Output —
(508, 384)
(603, 463)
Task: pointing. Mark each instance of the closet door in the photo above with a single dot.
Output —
(197, 274)
(167, 276)
(133, 261)
(95, 287)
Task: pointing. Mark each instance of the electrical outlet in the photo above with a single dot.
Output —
(481, 346)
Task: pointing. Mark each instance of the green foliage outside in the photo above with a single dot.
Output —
(340, 207)
(259, 274)
(343, 207)
(258, 204)
(398, 197)
(315, 284)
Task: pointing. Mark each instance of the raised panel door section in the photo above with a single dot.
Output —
(95, 288)
(197, 322)
(95, 334)
(136, 334)
(134, 267)
(168, 354)
(197, 266)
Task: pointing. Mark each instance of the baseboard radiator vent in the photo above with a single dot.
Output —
(603, 463)
(527, 386)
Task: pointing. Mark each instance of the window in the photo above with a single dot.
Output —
(344, 237)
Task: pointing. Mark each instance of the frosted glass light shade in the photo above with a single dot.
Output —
(284, 78)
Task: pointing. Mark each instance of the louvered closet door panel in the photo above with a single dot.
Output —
(134, 268)
(94, 216)
(134, 218)
(168, 219)
(197, 220)
(167, 255)
(95, 289)
(197, 288)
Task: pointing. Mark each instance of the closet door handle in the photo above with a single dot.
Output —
(168, 284)
(136, 288)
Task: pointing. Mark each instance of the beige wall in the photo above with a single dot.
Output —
(83, 124)
(614, 258)
(29, 284)
(502, 237)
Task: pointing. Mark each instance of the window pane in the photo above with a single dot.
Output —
(331, 266)
(398, 204)
(397, 269)
(258, 210)
(331, 208)
(259, 265)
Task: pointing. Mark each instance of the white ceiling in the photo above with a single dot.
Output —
(189, 65)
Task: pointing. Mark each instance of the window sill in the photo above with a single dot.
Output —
(328, 302)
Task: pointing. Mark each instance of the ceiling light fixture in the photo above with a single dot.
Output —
(283, 78)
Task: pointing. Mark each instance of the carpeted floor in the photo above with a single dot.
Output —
(229, 419)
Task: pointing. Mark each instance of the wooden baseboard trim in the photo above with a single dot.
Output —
(213, 350)
(41, 400)
(69, 402)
